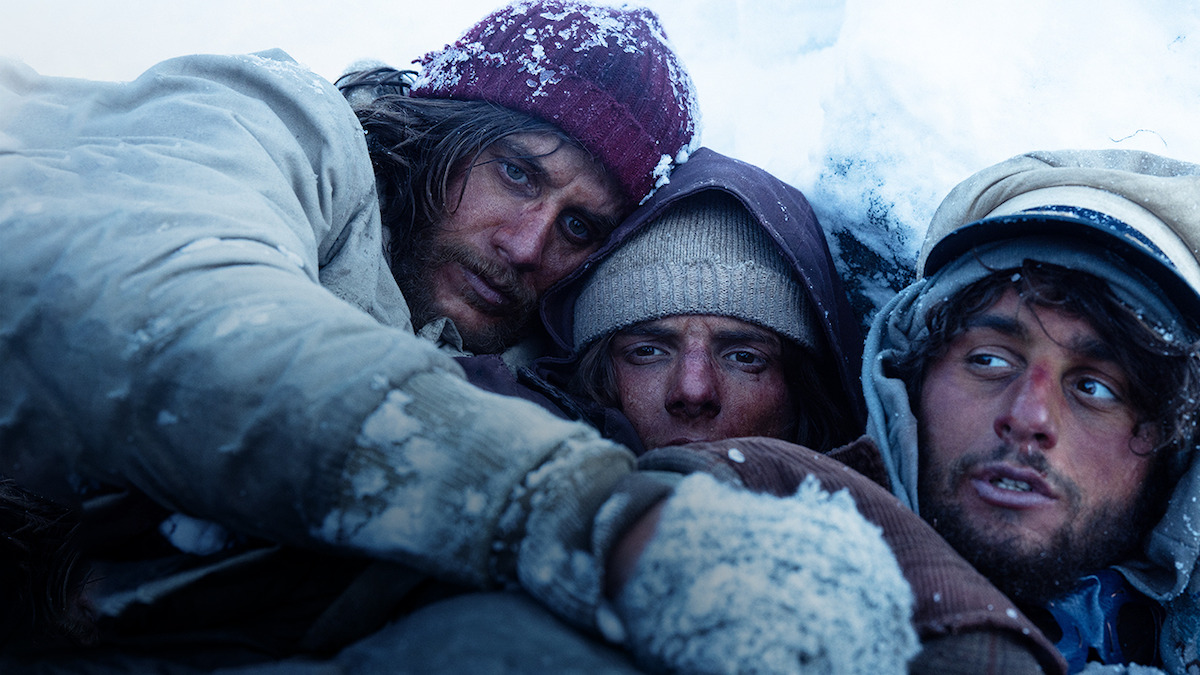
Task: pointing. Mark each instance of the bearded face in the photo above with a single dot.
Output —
(1033, 464)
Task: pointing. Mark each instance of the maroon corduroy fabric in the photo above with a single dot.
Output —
(951, 597)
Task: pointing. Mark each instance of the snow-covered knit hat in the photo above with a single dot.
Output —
(704, 255)
(1140, 207)
(605, 75)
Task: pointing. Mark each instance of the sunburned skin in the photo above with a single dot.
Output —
(530, 210)
(1027, 431)
(700, 377)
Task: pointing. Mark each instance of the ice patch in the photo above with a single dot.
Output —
(389, 423)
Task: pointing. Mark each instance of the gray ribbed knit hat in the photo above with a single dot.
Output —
(705, 255)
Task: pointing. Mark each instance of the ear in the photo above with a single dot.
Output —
(1144, 440)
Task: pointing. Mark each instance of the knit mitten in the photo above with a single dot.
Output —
(737, 582)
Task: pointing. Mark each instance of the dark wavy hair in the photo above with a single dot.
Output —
(1163, 373)
(42, 580)
(419, 145)
(821, 421)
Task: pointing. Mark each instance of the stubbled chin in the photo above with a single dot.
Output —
(1032, 529)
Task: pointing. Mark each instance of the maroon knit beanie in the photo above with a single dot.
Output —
(605, 75)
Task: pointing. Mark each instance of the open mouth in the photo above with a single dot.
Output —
(1005, 483)
(1012, 487)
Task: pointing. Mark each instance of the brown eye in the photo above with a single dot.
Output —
(987, 360)
(1096, 389)
(577, 231)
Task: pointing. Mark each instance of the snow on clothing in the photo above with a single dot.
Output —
(951, 599)
(203, 347)
(196, 309)
(1163, 189)
(841, 620)
(605, 75)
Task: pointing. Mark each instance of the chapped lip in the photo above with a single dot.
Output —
(683, 441)
(985, 479)
(486, 289)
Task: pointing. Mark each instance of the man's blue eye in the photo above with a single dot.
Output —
(515, 173)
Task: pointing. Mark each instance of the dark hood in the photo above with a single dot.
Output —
(785, 215)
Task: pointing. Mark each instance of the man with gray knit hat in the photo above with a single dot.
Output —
(716, 295)
(707, 333)
(1034, 396)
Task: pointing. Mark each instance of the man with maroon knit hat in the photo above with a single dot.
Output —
(216, 282)
(527, 141)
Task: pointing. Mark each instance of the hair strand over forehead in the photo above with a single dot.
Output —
(418, 144)
(1152, 359)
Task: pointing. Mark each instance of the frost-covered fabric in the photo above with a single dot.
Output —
(605, 74)
(196, 308)
(811, 587)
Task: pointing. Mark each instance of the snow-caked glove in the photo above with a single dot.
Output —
(738, 582)
(479, 489)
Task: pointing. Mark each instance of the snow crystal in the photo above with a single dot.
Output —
(610, 624)
(192, 535)
(736, 455)
(474, 502)
(368, 482)
(290, 71)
